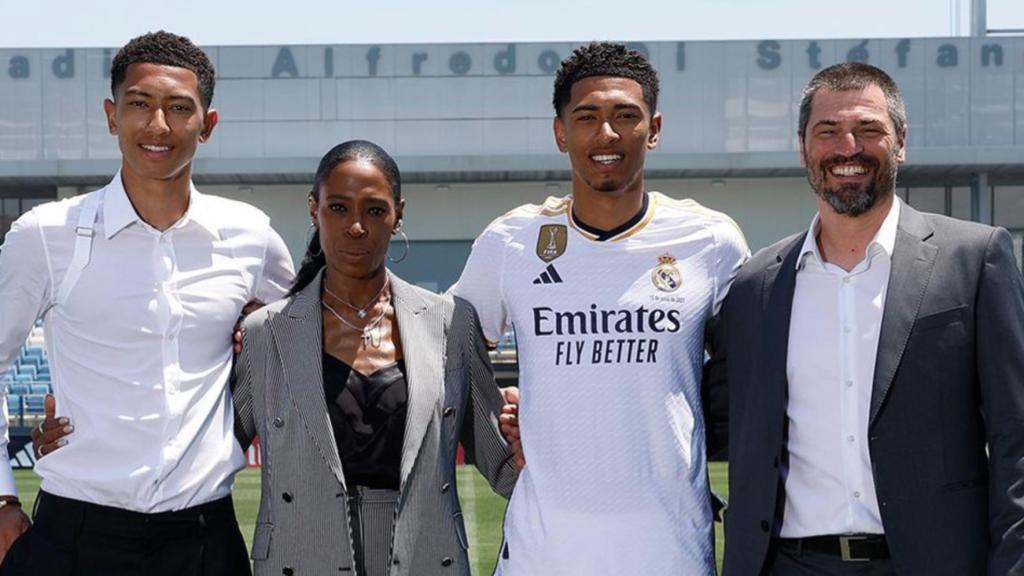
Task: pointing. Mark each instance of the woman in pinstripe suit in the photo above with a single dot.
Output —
(360, 387)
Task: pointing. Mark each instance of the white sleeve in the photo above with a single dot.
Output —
(278, 270)
(731, 252)
(25, 290)
(481, 284)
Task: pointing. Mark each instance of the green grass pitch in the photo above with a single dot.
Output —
(482, 509)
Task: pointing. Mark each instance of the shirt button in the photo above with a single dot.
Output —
(847, 329)
(287, 497)
(856, 494)
(446, 562)
(849, 383)
(846, 280)
(849, 438)
(278, 422)
(445, 487)
(449, 411)
(287, 571)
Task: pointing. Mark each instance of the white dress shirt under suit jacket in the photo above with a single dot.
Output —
(141, 350)
(833, 341)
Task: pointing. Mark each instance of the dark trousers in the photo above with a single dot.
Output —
(786, 560)
(74, 538)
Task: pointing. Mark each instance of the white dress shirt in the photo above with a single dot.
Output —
(833, 341)
(141, 350)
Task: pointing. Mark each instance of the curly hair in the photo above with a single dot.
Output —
(165, 49)
(605, 59)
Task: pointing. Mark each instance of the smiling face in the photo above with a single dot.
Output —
(607, 129)
(159, 121)
(356, 214)
(851, 149)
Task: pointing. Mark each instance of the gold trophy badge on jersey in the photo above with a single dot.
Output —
(551, 241)
(666, 276)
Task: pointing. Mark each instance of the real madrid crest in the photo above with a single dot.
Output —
(551, 241)
(665, 275)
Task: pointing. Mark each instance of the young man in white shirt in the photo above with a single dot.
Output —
(609, 291)
(139, 285)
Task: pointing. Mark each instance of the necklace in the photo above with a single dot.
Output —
(361, 312)
(368, 331)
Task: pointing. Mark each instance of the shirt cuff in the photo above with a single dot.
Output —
(7, 485)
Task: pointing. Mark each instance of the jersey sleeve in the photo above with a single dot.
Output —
(731, 252)
(481, 284)
(278, 270)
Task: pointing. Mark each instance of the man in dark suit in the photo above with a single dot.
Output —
(875, 366)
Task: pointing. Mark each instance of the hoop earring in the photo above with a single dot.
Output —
(309, 240)
(405, 253)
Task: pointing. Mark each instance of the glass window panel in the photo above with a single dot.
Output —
(1008, 206)
(928, 199)
(960, 205)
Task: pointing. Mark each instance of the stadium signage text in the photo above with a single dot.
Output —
(524, 59)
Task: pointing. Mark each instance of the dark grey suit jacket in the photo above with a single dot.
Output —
(946, 429)
(279, 395)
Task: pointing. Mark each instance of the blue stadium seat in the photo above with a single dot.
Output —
(23, 378)
(33, 361)
(33, 352)
(39, 389)
(14, 405)
(43, 377)
(27, 369)
(34, 404)
(20, 389)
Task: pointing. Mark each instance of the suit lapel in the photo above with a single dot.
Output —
(421, 329)
(779, 286)
(912, 262)
(299, 340)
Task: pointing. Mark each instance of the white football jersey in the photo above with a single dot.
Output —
(610, 337)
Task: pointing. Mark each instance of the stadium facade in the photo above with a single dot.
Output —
(470, 125)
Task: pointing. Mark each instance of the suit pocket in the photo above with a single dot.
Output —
(940, 319)
(261, 541)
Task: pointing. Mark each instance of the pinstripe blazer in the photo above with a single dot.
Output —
(279, 396)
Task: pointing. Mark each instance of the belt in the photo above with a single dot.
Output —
(848, 547)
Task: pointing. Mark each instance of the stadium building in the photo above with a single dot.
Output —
(471, 128)
(470, 125)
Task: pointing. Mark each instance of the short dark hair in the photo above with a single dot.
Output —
(314, 259)
(165, 49)
(605, 59)
(854, 76)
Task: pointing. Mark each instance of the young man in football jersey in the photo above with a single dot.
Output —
(609, 291)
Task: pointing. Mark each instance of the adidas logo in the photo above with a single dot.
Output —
(548, 276)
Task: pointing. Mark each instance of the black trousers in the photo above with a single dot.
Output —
(74, 538)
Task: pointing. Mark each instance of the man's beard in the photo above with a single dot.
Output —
(854, 199)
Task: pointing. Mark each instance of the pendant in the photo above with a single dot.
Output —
(367, 337)
(361, 313)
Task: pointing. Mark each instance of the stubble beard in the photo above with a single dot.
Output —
(854, 199)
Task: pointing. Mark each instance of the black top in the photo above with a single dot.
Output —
(603, 235)
(368, 417)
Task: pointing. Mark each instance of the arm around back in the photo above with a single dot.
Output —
(485, 446)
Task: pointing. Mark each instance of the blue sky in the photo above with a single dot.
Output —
(74, 23)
